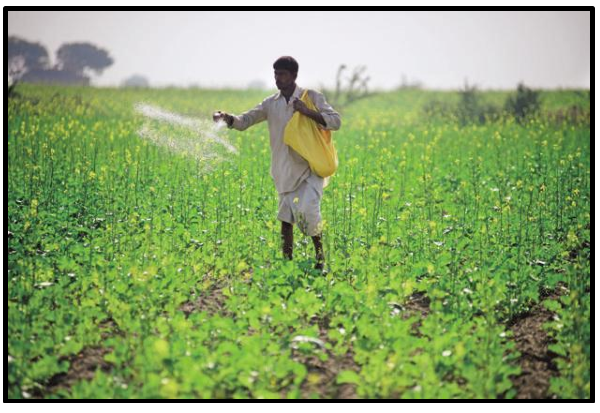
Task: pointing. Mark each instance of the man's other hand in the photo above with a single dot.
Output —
(300, 106)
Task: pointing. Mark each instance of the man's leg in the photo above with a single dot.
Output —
(287, 237)
(319, 252)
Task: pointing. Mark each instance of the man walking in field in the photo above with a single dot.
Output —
(300, 190)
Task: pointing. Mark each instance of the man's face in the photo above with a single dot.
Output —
(284, 78)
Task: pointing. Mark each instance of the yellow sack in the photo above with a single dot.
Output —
(312, 143)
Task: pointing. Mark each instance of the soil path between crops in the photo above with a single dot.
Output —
(536, 360)
(326, 372)
(82, 366)
(322, 375)
(212, 301)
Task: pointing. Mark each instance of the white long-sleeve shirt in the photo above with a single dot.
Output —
(288, 168)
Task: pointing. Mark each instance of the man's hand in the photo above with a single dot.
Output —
(300, 106)
(222, 116)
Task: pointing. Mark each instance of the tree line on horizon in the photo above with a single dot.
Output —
(74, 62)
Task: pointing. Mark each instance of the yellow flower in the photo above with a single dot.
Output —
(33, 208)
(241, 266)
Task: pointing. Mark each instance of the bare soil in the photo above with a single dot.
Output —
(536, 361)
(212, 301)
(327, 371)
(83, 366)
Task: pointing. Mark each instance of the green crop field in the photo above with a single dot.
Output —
(458, 254)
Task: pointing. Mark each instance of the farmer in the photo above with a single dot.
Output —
(300, 190)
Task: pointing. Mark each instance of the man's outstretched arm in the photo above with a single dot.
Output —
(246, 119)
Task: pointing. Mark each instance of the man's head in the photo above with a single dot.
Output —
(286, 71)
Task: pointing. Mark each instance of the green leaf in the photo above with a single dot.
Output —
(558, 349)
(552, 305)
(348, 376)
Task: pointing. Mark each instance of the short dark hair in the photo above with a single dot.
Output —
(286, 63)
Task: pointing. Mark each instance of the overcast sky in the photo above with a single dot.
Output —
(218, 49)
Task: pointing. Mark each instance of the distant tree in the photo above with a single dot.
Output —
(406, 85)
(439, 109)
(26, 55)
(349, 89)
(57, 76)
(23, 57)
(471, 108)
(524, 104)
(29, 62)
(77, 57)
(136, 81)
(16, 69)
(468, 108)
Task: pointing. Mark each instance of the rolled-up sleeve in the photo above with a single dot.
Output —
(330, 116)
(251, 117)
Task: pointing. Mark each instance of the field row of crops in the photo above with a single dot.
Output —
(136, 272)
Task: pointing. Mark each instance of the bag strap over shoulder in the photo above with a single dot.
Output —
(308, 96)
